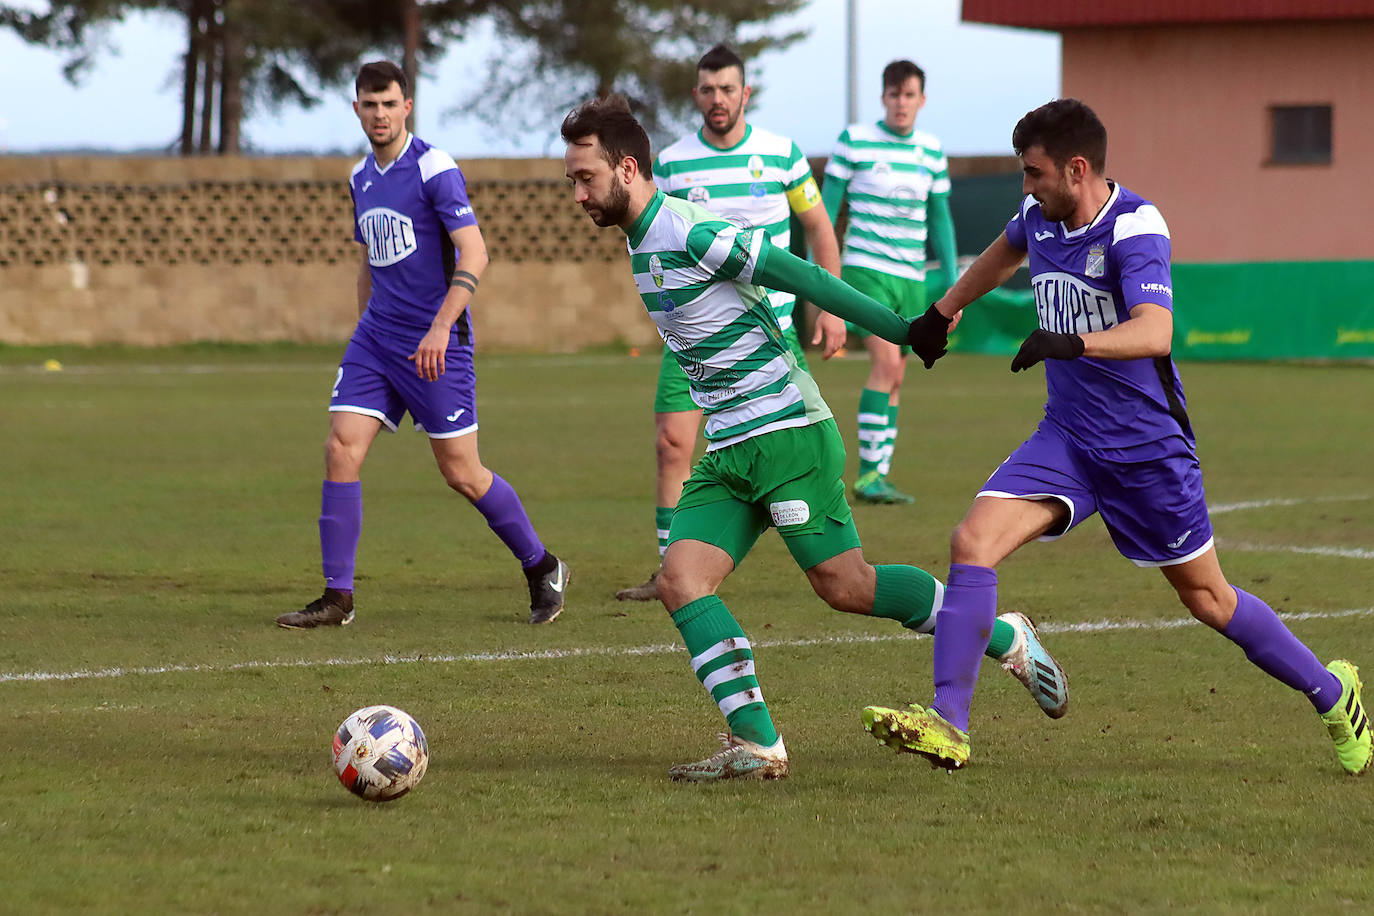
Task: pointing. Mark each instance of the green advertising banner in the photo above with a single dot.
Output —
(1280, 310)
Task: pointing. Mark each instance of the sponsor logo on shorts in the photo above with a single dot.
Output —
(453, 417)
(1175, 545)
(789, 512)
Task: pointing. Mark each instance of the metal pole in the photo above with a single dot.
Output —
(851, 112)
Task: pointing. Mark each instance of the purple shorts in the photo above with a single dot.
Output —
(376, 379)
(1154, 509)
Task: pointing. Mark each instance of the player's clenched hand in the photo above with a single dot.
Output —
(928, 336)
(429, 355)
(1042, 344)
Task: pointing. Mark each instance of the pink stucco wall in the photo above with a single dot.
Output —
(1187, 115)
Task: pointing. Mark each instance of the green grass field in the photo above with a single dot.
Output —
(167, 748)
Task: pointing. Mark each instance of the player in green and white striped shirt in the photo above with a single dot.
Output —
(774, 455)
(897, 181)
(752, 178)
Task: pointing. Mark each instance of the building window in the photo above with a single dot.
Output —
(1301, 135)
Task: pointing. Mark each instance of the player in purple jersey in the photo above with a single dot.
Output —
(1115, 438)
(422, 258)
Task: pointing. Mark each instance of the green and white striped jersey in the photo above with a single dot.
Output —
(890, 178)
(758, 182)
(695, 274)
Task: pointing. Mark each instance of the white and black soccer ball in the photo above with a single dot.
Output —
(380, 753)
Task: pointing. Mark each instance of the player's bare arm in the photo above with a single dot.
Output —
(472, 261)
(990, 270)
(1148, 333)
(825, 251)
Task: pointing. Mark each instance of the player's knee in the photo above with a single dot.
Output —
(672, 451)
(1208, 606)
(966, 544)
(342, 459)
(677, 587)
(841, 594)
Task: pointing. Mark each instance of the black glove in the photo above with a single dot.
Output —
(928, 336)
(1042, 344)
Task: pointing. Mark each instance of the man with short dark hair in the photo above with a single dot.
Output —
(896, 179)
(773, 458)
(1115, 438)
(753, 178)
(412, 351)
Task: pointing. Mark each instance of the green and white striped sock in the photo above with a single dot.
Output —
(889, 441)
(724, 663)
(663, 520)
(912, 597)
(873, 422)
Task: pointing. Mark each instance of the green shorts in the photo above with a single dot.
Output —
(905, 297)
(675, 395)
(791, 479)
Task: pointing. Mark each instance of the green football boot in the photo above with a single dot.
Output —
(918, 731)
(869, 488)
(873, 487)
(1346, 722)
(736, 759)
(894, 496)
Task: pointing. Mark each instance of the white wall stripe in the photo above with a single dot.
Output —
(515, 655)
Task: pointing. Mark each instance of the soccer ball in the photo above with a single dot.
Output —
(380, 753)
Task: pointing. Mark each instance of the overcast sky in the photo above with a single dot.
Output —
(980, 80)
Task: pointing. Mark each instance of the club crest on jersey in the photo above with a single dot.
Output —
(905, 196)
(390, 236)
(756, 167)
(699, 195)
(1097, 261)
(656, 270)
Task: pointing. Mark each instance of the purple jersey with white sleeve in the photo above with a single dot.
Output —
(1089, 279)
(404, 213)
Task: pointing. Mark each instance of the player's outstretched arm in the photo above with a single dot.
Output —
(782, 270)
(989, 270)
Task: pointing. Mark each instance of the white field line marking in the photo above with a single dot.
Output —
(1353, 553)
(1223, 508)
(512, 655)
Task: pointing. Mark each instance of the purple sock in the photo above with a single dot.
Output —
(506, 516)
(962, 631)
(1278, 653)
(341, 523)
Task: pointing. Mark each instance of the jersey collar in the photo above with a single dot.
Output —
(882, 126)
(399, 156)
(641, 223)
(1101, 214)
(701, 135)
